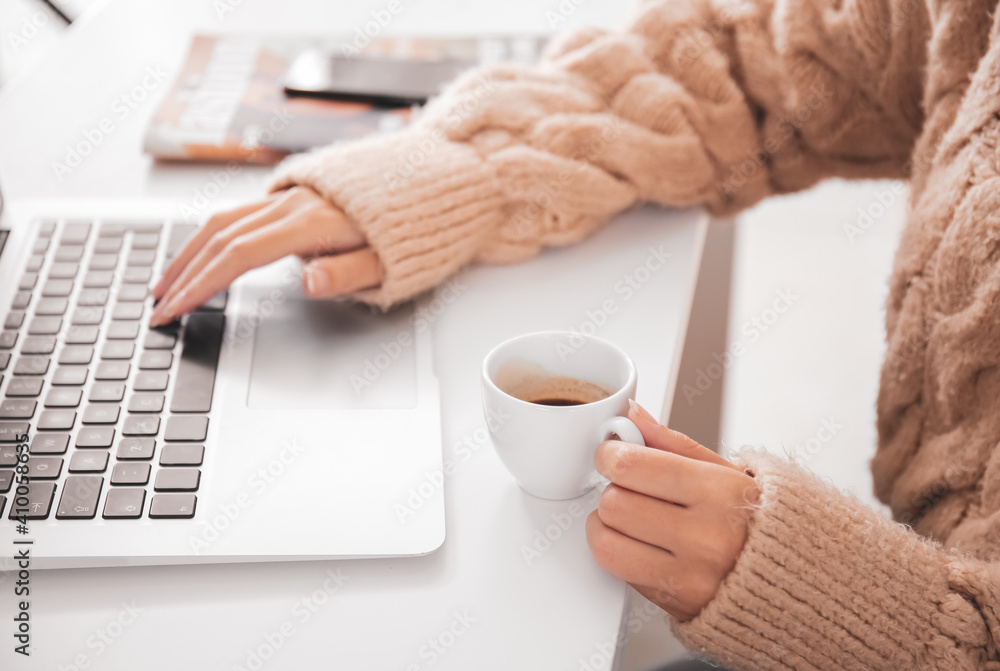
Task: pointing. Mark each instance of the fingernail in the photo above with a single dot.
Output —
(157, 318)
(641, 411)
(316, 281)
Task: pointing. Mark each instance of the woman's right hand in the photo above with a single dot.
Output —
(295, 221)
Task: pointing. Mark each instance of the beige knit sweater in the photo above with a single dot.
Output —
(700, 102)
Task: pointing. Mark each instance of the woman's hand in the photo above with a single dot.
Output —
(674, 518)
(295, 221)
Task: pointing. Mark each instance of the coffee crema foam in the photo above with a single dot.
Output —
(530, 382)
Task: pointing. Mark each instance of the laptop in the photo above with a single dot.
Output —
(263, 427)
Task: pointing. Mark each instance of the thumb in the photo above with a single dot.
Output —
(660, 437)
(338, 274)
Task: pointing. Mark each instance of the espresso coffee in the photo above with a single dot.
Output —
(532, 383)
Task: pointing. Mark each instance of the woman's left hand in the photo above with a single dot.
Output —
(674, 518)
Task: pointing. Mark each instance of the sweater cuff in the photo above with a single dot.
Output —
(424, 204)
(826, 582)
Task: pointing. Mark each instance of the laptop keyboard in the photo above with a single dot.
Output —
(116, 413)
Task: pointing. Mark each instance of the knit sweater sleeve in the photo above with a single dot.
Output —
(694, 102)
(825, 582)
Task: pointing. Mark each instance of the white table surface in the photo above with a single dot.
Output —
(559, 611)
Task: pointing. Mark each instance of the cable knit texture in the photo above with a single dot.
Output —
(722, 104)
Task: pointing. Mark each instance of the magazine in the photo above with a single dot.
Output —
(227, 102)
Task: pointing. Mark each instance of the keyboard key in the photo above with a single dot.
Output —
(173, 505)
(28, 281)
(65, 270)
(75, 233)
(4, 360)
(112, 370)
(123, 330)
(80, 494)
(130, 474)
(56, 420)
(108, 246)
(46, 229)
(31, 365)
(111, 230)
(136, 448)
(142, 425)
(151, 380)
(35, 263)
(21, 300)
(137, 275)
(177, 480)
(160, 340)
(87, 316)
(57, 288)
(13, 432)
(39, 504)
(95, 436)
(14, 320)
(117, 349)
(146, 227)
(45, 325)
(133, 292)
(49, 443)
(65, 397)
(11, 408)
(25, 386)
(107, 391)
(52, 307)
(40, 246)
(69, 253)
(146, 402)
(98, 279)
(182, 455)
(8, 455)
(126, 311)
(6, 479)
(156, 360)
(9, 338)
(179, 235)
(124, 503)
(186, 428)
(69, 376)
(101, 413)
(44, 468)
(76, 354)
(103, 262)
(145, 241)
(92, 297)
(95, 461)
(141, 257)
(82, 335)
(38, 345)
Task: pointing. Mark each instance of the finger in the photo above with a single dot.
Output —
(703, 535)
(329, 276)
(662, 438)
(678, 587)
(257, 248)
(655, 473)
(289, 202)
(215, 223)
(644, 518)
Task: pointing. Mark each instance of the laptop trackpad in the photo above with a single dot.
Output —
(316, 355)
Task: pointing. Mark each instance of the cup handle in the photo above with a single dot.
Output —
(626, 430)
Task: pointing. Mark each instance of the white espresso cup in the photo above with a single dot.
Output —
(549, 449)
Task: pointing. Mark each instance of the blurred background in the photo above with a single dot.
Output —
(806, 380)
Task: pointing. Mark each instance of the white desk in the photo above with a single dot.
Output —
(558, 612)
